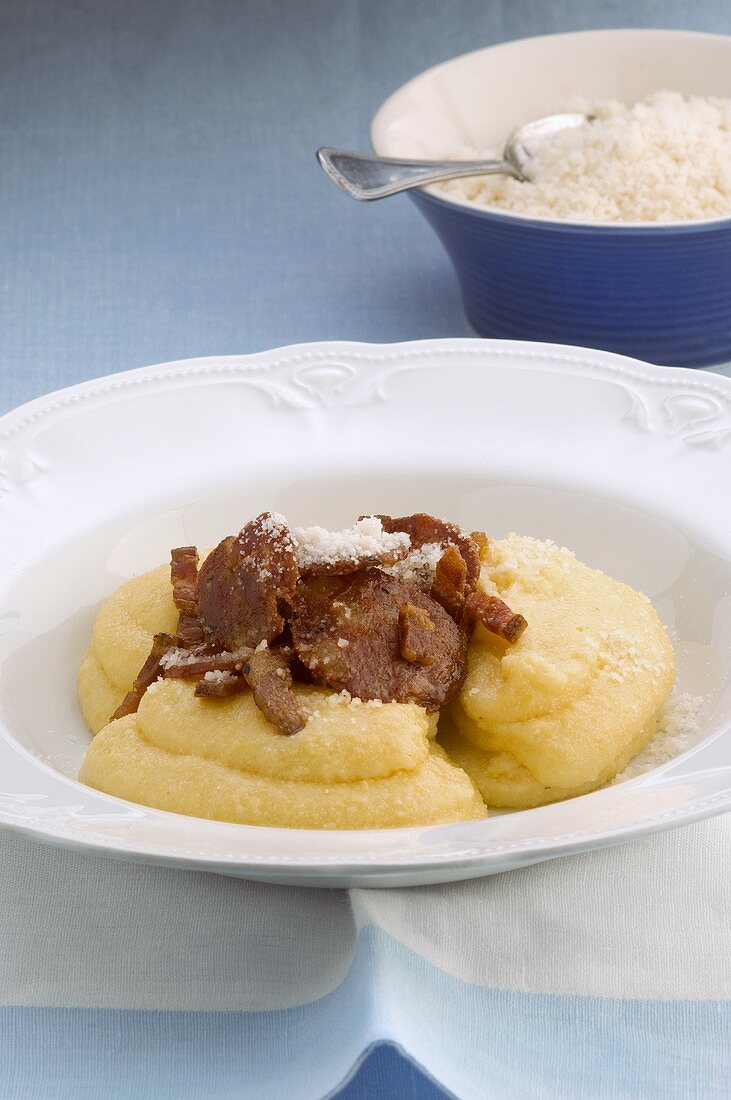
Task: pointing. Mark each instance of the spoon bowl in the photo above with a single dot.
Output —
(521, 145)
(371, 177)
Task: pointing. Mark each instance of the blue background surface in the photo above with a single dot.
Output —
(161, 197)
(160, 193)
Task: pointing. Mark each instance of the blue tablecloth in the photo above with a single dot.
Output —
(161, 200)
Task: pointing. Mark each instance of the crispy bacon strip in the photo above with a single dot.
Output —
(187, 664)
(480, 539)
(416, 635)
(495, 616)
(267, 674)
(450, 582)
(184, 579)
(423, 529)
(222, 686)
(147, 675)
(343, 566)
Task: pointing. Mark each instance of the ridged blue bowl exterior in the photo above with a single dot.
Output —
(659, 293)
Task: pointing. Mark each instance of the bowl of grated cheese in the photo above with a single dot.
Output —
(621, 238)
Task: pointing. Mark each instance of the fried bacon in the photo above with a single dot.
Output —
(450, 582)
(218, 685)
(147, 675)
(424, 529)
(345, 622)
(480, 539)
(184, 579)
(495, 615)
(346, 631)
(457, 574)
(268, 674)
(244, 583)
(416, 635)
(343, 566)
(187, 664)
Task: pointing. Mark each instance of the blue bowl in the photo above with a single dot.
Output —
(659, 293)
(655, 291)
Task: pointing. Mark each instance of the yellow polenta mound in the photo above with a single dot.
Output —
(556, 715)
(567, 707)
(353, 766)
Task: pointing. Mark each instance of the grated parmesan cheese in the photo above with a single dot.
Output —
(178, 657)
(182, 657)
(419, 566)
(272, 523)
(663, 159)
(365, 539)
(344, 698)
(528, 552)
(218, 676)
(623, 656)
(677, 722)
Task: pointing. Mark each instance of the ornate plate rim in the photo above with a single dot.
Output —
(276, 372)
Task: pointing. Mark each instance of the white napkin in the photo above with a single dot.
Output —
(514, 978)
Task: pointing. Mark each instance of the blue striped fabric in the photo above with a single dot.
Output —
(483, 1043)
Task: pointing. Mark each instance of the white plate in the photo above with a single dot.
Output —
(625, 463)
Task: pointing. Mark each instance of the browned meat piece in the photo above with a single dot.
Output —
(417, 642)
(450, 582)
(243, 582)
(147, 675)
(495, 616)
(424, 529)
(346, 631)
(184, 578)
(267, 674)
(218, 685)
(187, 664)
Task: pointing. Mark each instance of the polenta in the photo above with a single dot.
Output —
(553, 714)
(567, 707)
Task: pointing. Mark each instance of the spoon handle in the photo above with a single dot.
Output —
(366, 178)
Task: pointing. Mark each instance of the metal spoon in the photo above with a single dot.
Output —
(367, 177)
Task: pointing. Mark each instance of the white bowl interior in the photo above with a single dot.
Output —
(478, 99)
